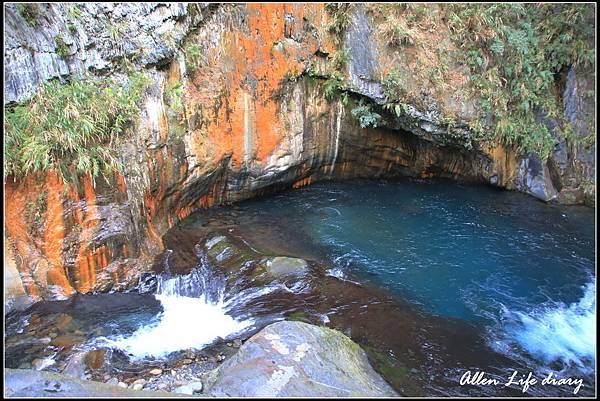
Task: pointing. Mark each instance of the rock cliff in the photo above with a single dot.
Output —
(240, 105)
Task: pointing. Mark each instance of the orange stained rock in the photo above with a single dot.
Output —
(255, 61)
(505, 163)
(150, 203)
(303, 182)
(18, 197)
(121, 184)
(85, 264)
(207, 201)
(160, 171)
(54, 233)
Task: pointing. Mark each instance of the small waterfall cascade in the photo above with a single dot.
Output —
(194, 314)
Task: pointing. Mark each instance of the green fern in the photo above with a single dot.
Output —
(365, 116)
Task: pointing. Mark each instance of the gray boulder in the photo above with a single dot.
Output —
(295, 359)
(533, 177)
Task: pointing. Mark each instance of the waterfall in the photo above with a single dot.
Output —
(194, 314)
(203, 282)
(555, 332)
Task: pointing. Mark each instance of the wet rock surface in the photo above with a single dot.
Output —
(57, 336)
(283, 266)
(294, 359)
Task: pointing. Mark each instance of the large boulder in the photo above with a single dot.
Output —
(533, 178)
(295, 359)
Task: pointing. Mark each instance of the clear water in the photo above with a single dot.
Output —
(521, 271)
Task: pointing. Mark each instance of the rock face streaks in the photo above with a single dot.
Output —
(252, 120)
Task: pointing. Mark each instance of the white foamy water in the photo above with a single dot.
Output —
(48, 361)
(185, 323)
(559, 332)
(194, 315)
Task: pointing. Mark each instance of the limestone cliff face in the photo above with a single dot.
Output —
(251, 119)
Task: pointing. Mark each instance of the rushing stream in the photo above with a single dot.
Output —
(432, 278)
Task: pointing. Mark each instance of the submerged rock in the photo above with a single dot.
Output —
(295, 359)
(63, 321)
(67, 340)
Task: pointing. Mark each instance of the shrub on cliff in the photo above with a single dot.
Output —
(515, 56)
(70, 128)
(514, 52)
(365, 116)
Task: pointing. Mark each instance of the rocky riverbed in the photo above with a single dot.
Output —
(290, 359)
(82, 338)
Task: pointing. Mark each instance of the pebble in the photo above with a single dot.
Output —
(196, 386)
(140, 381)
(138, 386)
(186, 361)
(37, 363)
(173, 372)
(155, 372)
(184, 390)
(121, 384)
(114, 381)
